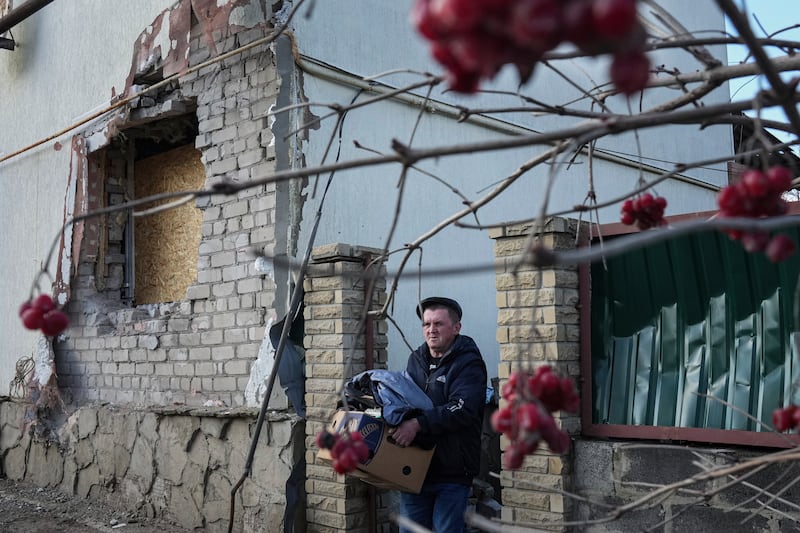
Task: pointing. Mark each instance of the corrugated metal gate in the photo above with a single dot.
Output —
(691, 317)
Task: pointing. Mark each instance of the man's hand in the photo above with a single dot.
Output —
(404, 434)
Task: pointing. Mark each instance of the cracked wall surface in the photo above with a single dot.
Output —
(179, 463)
(199, 350)
(178, 460)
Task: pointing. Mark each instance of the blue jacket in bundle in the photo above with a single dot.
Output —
(457, 388)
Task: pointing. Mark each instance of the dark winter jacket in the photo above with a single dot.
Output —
(457, 387)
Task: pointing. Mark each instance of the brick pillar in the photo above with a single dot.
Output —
(334, 303)
(537, 324)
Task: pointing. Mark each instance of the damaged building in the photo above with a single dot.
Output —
(168, 309)
(202, 118)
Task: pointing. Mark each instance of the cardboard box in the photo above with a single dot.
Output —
(389, 466)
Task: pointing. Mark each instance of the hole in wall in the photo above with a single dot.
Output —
(149, 259)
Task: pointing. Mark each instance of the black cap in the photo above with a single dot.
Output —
(440, 300)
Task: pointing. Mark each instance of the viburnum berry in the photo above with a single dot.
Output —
(514, 456)
(44, 302)
(24, 307)
(579, 26)
(555, 393)
(542, 385)
(345, 461)
(473, 39)
(41, 313)
(758, 194)
(425, 23)
(347, 450)
(32, 318)
(784, 419)
(780, 178)
(755, 241)
(627, 213)
(475, 53)
(557, 439)
(570, 401)
(630, 71)
(536, 24)
(326, 439)
(527, 419)
(613, 19)
(502, 421)
(359, 446)
(730, 201)
(756, 183)
(455, 16)
(545, 385)
(54, 322)
(495, 5)
(780, 248)
(645, 210)
(508, 390)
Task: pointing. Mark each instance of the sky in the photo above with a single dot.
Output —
(773, 15)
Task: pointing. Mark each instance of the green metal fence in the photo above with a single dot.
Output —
(681, 325)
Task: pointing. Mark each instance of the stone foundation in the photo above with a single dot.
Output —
(179, 463)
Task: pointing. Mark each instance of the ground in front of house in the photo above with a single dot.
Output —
(25, 508)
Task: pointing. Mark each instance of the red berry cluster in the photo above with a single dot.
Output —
(646, 211)
(528, 419)
(786, 418)
(347, 449)
(41, 313)
(472, 39)
(759, 194)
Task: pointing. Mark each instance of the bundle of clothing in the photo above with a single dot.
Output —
(394, 393)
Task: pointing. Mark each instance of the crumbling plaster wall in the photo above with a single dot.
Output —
(133, 380)
(201, 349)
(68, 58)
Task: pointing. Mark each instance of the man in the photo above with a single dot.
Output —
(450, 369)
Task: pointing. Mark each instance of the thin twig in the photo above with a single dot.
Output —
(785, 95)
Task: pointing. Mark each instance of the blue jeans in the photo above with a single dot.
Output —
(439, 507)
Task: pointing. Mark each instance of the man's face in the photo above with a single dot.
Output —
(439, 329)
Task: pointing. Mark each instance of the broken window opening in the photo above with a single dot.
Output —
(150, 259)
